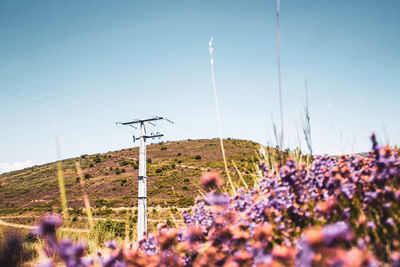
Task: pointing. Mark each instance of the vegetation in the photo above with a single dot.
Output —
(34, 188)
(335, 211)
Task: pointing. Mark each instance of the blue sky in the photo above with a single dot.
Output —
(72, 68)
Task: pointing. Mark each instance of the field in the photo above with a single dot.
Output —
(110, 179)
(328, 211)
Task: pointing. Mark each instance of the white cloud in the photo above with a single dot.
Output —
(8, 167)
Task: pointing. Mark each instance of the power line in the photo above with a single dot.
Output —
(56, 107)
(97, 110)
(194, 131)
(69, 95)
(63, 101)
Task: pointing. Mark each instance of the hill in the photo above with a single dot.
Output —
(173, 171)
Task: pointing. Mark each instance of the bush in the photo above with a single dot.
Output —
(87, 176)
(97, 159)
(148, 161)
(91, 165)
(135, 166)
(185, 202)
(164, 148)
(108, 230)
(179, 161)
(123, 181)
(186, 180)
(159, 170)
(123, 170)
(179, 154)
(117, 171)
(197, 157)
(173, 166)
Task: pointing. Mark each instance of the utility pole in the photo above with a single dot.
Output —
(142, 178)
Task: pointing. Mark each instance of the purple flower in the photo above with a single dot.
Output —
(371, 225)
(111, 244)
(217, 199)
(390, 221)
(72, 254)
(48, 225)
(335, 231)
(305, 254)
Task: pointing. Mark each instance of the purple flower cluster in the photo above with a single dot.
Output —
(72, 254)
(340, 211)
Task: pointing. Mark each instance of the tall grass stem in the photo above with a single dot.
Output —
(278, 51)
(218, 114)
(61, 185)
(86, 201)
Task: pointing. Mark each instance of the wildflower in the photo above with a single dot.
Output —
(194, 234)
(371, 225)
(217, 199)
(166, 239)
(390, 221)
(335, 231)
(48, 225)
(111, 244)
(211, 180)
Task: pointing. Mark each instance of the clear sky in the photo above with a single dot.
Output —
(73, 68)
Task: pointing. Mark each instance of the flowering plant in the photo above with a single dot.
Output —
(339, 211)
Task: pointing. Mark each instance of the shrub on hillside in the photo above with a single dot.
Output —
(97, 159)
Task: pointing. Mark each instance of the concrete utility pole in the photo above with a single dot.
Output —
(142, 178)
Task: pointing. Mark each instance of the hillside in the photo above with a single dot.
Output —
(173, 170)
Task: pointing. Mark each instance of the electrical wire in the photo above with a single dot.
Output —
(69, 95)
(96, 110)
(55, 106)
(63, 101)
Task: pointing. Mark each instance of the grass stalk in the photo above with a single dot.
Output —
(278, 52)
(61, 185)
(240, 176)
(86, 201)
(218, 116)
